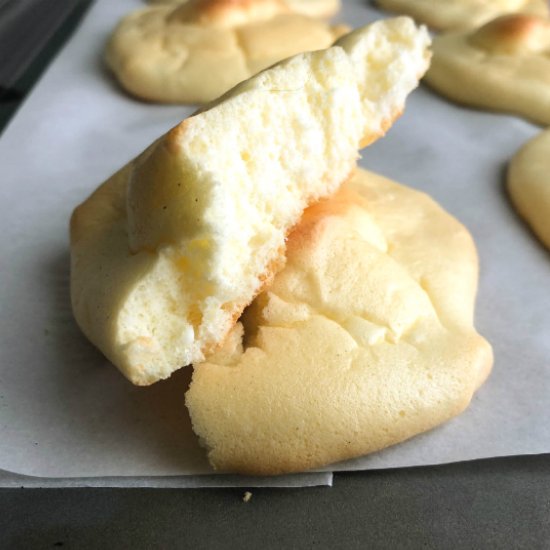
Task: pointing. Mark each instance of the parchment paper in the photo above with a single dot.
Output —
(66, 413)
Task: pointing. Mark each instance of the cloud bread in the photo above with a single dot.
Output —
(503, 66)
(529, 184)
(311, 8)
(167, 253)
(365, 339)
(194, 52)
(462, 14)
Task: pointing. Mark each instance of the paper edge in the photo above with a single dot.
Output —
(12, 480)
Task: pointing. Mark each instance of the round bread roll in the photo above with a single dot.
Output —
(529, 184)
(462, 14)
(502, 66)
(311, 8)
(167, 253)
(365, 339)
(194, 52)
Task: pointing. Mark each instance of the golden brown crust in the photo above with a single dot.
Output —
(311, 8)
(84, 217)
(454, 15)
(502, 66)
(513, 34)
(385, 126)
(528, 183)
(359, 342)
(227, 13)
(199, 50)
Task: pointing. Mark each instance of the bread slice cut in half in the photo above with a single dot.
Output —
(167, 253)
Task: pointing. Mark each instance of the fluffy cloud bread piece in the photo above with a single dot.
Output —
(167, 253)
(311, 8)
(194, 52)
(462, 14)
(529, 184)
(365, 339)
(502, 66)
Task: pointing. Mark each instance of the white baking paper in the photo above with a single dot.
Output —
(70, 418)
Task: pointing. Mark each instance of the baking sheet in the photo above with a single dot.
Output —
(67, 415)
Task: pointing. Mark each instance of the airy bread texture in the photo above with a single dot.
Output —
(365, 339)
(311, 8)
(168, 252)
(529, 184)
(196, 51)
(502, 66)
(451, 15)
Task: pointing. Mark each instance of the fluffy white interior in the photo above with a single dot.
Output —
(248, 167)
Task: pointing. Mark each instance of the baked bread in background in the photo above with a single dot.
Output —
(448, 15)
(167, 253)
(529, 184)
(502, 66)
(196, 51)
(365, 339)
(315, 8)
(311, 8)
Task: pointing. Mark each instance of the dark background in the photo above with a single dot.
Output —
(495, 503)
